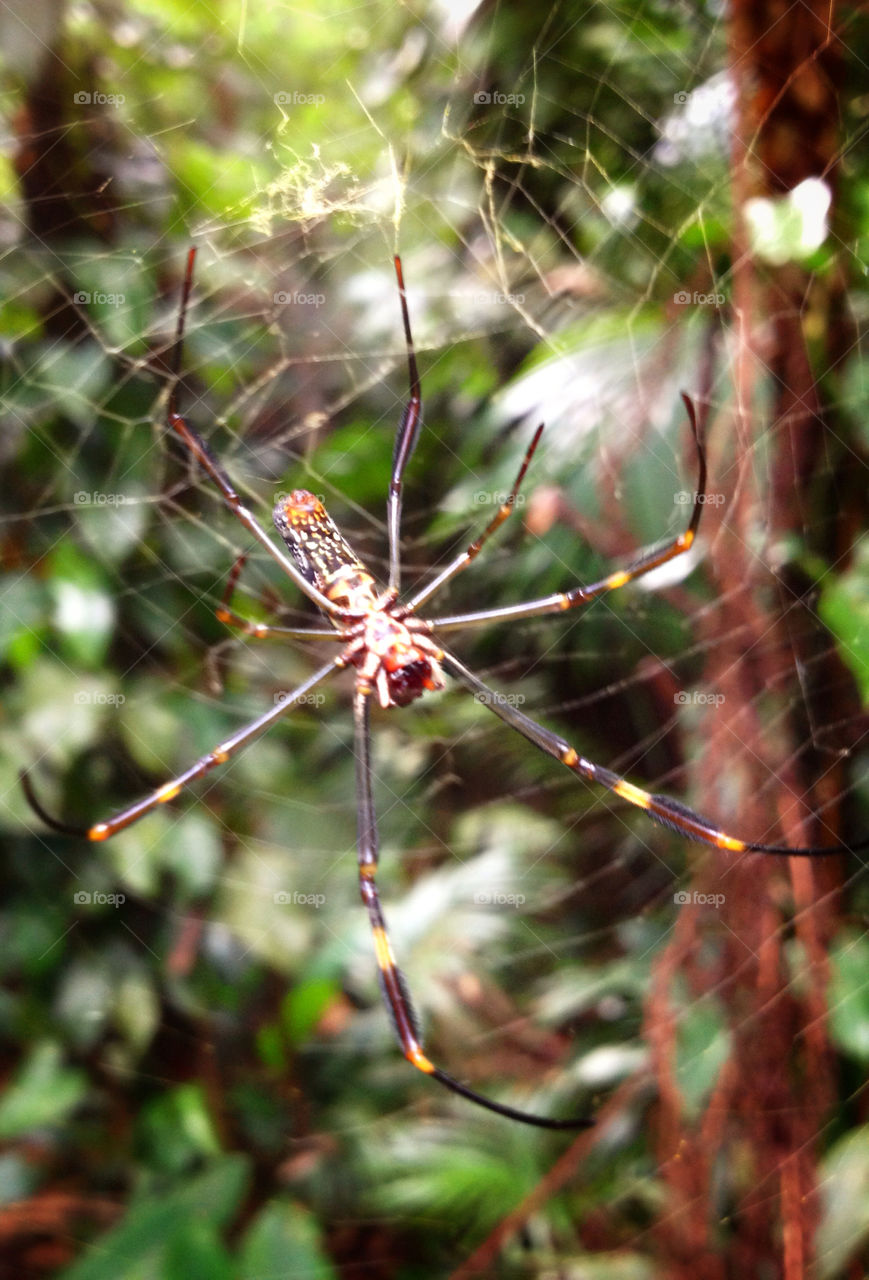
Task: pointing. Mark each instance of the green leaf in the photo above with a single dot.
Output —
(849, 996)
(703, 1045)
(113, 523)
(195, 1252)
(23, 617)
(844, 1182)
(84, 611)
(172, 1226)
(304, 1006)
(283, 1240)
(43, 1092)
(178, 1128)
(844, 607)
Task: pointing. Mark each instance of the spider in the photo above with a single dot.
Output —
(397, 656)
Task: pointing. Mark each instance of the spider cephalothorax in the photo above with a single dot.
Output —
(399, 658)
(394, 652)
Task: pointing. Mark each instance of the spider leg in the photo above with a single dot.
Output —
(392, 981)
(465, 557)
(169, 790)
(405, 440)
(206, 459)
(670, 813)
(563, 600)
(260, 630)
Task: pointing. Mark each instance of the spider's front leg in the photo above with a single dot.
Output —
(197, 447)
(563, 600)
(405, 440)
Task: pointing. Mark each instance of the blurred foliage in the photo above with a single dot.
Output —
(194, 1048)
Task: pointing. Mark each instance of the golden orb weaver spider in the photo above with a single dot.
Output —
(397, 658)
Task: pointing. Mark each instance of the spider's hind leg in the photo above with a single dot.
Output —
(392, 982)
(662, 809)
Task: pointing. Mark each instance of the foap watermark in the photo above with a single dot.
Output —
(491, 698)
(85, 698)
(491, 497)
(685, 899)
(697, 698)
(684, 498)
(85, 98)
(494, 898)
(685, 299)
(84, 499)
(296, 899)
(282, 497)
(681, 98)
(492, 299)
(87, 298)
(293, 98)
(284, 299)
(83, 898)
(483, 98)
(306, 700)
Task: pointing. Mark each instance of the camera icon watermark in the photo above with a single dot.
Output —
(306, 700)
(82, 298)
(681, 98)
(494, 898)
(83, 98)
(84, 499)
(284, 498)
(84, 698)
(484, 98)
(492, 299)
(283, 299)
(685, 299)
(293, 98)
(491, 698)
(683, 498)
(82, 898)
(687, 899)
(491, 497)
(296, 899)
(697, 698)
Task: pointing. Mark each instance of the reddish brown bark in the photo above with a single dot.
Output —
(760, 1133)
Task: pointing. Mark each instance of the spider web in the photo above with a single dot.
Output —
(561, 187)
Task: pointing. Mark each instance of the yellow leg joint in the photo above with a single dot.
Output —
(419, 1060)
(633, 794)
(382, 950)
(99, 832)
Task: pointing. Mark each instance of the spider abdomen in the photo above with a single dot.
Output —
(321, 551)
